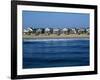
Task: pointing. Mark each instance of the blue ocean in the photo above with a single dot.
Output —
(44, 53)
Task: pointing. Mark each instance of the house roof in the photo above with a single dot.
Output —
(64, 29)
(31, 29)
(39, 29)
(47, 29)
(25, 30)
(56, 29)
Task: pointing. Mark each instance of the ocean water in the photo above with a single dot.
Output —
(43, 53)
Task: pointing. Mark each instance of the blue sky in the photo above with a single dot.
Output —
(37, 19)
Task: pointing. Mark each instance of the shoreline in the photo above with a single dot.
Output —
(56, 36)
(49, 39)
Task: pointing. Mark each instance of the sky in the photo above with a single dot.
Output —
(40, 19)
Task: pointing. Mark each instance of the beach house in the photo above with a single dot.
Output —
(25, 31)
(56, 31)
(81, 31)
(38, 31)
(73, 31)
(47, 31)
(88, 31)
(65, 31)
(30, 30)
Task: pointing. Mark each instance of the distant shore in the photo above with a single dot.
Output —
(54, 36)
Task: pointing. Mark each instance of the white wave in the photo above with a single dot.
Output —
(31, 40)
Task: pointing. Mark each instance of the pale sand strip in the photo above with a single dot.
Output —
(54, 36)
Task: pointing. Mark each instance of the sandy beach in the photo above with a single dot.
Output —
(54, 36)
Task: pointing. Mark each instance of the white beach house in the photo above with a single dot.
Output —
(47, 31)
(38, 31)
(25, 31)
(30, 29)
(87, 30)
(81, 31)
(73, 31)
(56, 31)
(65, 30)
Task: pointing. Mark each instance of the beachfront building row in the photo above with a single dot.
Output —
(58, 31)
